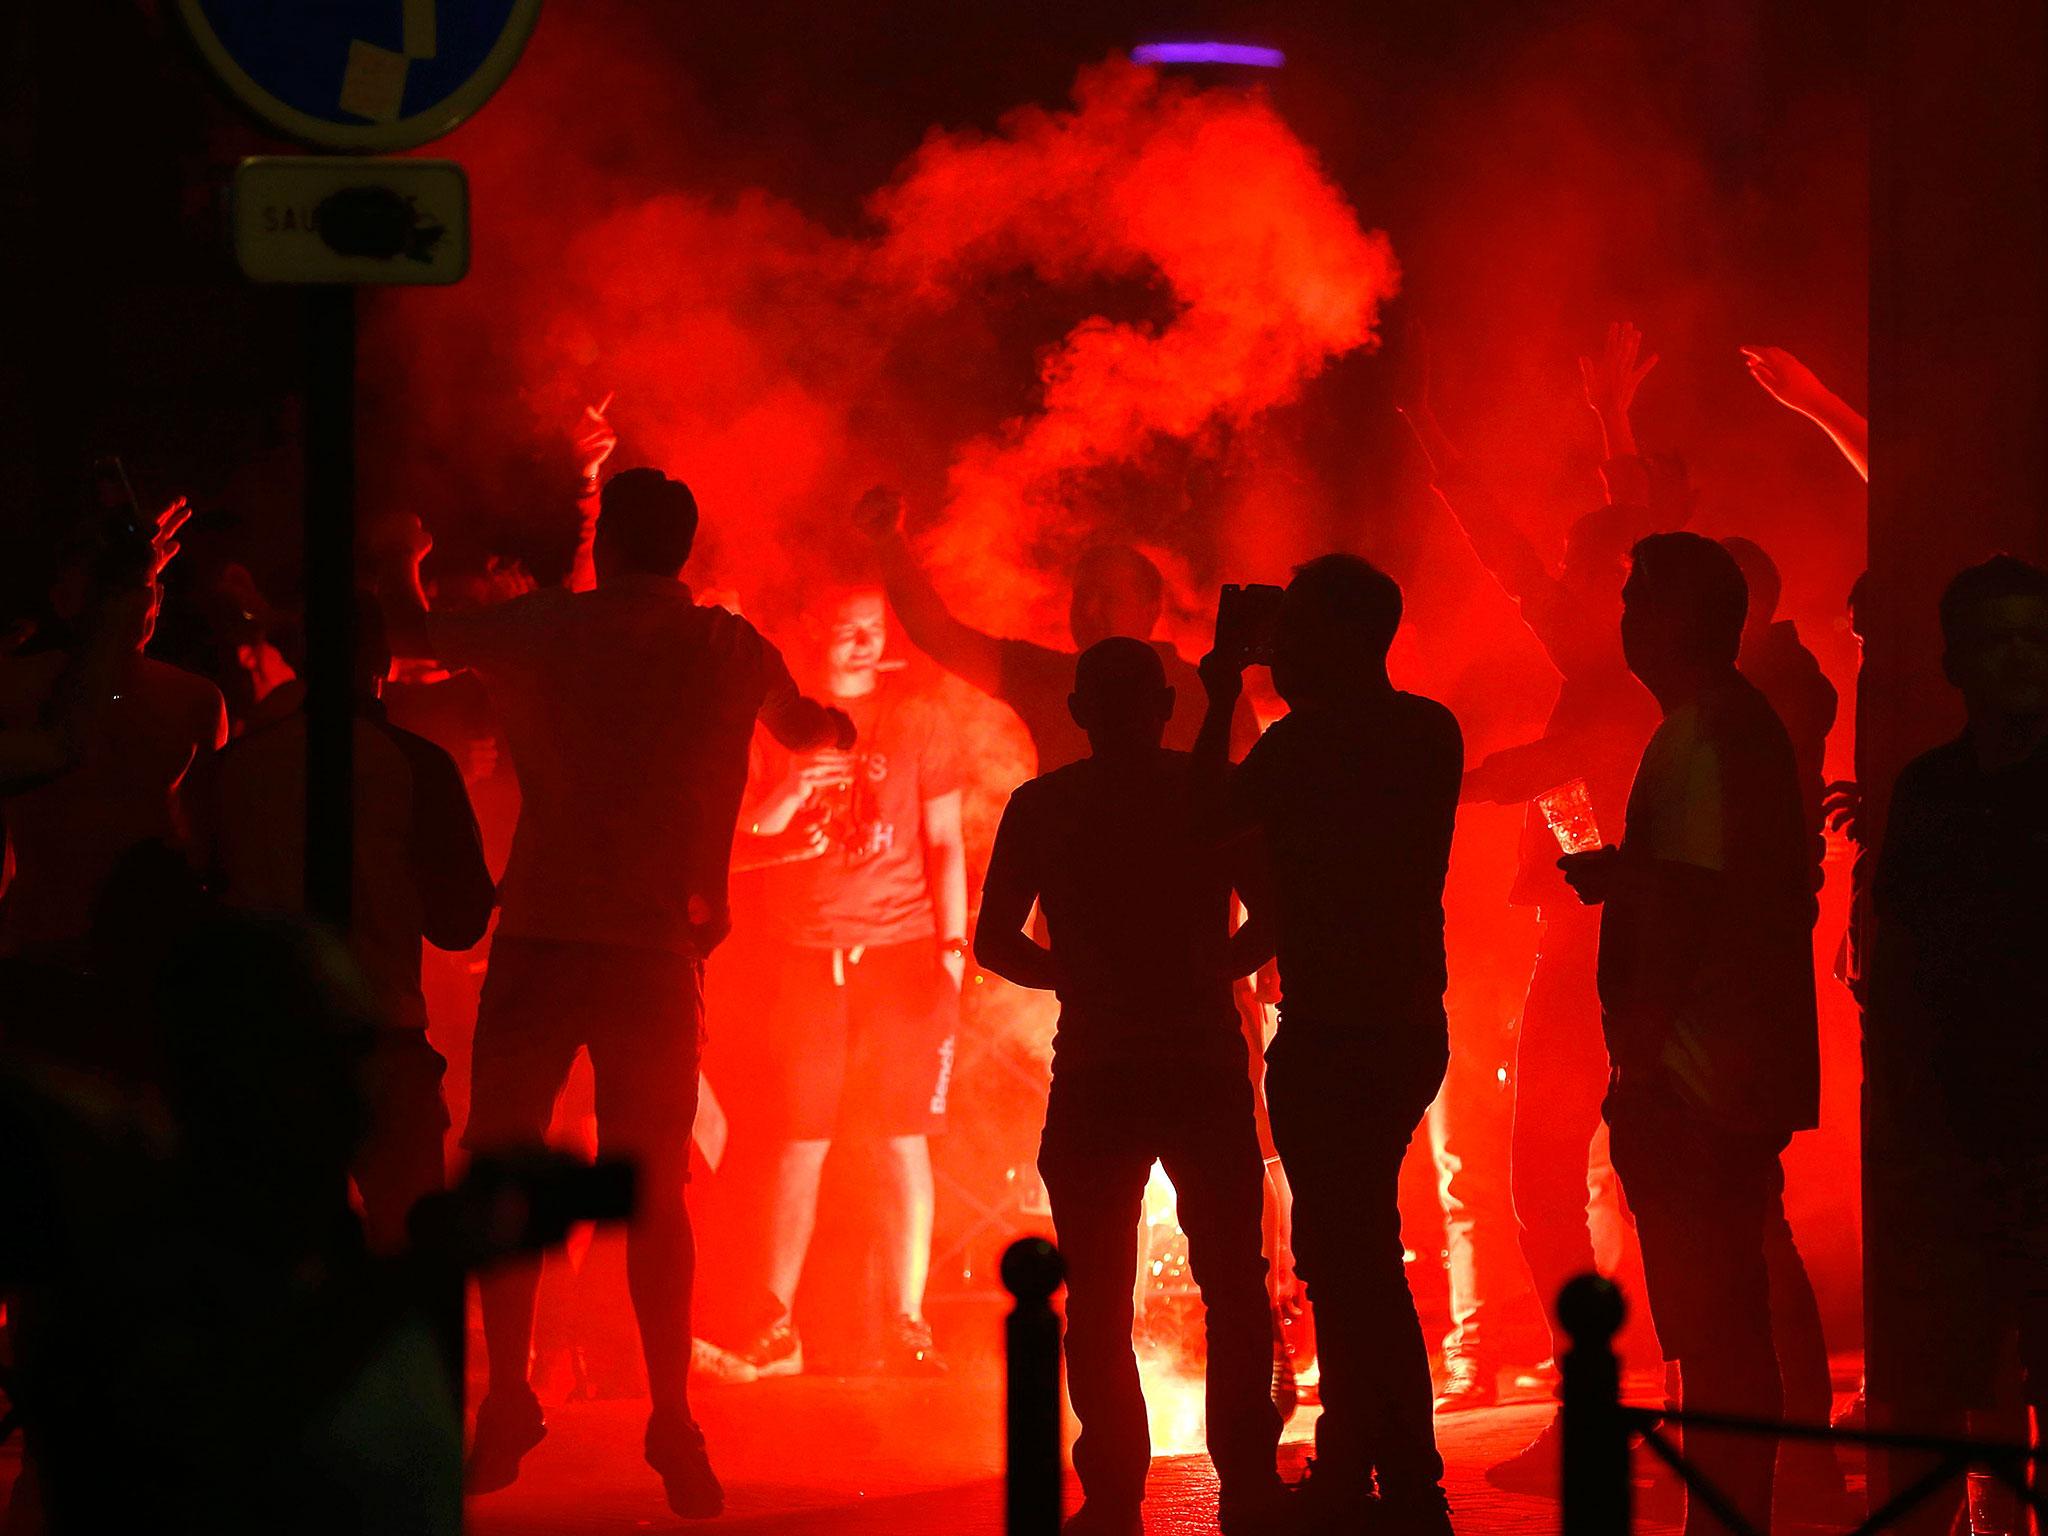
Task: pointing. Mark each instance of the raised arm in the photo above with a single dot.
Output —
(595, 441)
(1794, 385)
(121, 606)
(1611, 382)
(800, 724)
(1499, 543)
(1001, 944)
(932, 626)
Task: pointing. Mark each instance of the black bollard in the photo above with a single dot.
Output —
(1596, 1472)
(1032, 1271)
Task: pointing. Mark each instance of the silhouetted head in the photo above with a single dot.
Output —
(1994, 631)
(1336, 624)
(1121, 698)
(646, 525)
(1682, 611)
(1760, 574)
(1117, 591)
(853, 628)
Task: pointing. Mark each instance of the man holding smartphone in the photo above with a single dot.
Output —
(1355, 791)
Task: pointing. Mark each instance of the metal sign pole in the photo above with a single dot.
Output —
(330, 519)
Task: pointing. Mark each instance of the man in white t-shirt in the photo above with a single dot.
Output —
(628, 710)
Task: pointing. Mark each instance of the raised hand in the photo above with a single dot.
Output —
(1612, 378)
(1794, 385)
(163, 542)
(1842, 808)
(595, 438)
(1786, 379)
(879, 512)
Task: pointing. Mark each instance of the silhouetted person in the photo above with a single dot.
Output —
(1355, 791)
(1117, 591)
(863, 986)
(1958, 999)
(201, 1340)
(1706, 989)
(121, 789)
(419, 877)
(629, 710)
(1595, 731)
(1786, 673)
(1148, 1062)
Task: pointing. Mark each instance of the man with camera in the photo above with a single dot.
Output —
(1355, 791)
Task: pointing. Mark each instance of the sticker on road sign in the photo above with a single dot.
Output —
(366, 75)
(343, 219)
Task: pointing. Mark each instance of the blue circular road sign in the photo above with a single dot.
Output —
(372, 75)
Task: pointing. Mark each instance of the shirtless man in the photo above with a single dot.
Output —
(68, 833)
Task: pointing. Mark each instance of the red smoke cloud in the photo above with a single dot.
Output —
(763, 356)
(1208, 193)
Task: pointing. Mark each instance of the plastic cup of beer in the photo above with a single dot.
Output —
(1568, 812)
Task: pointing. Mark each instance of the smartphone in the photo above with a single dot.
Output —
(1247, 620)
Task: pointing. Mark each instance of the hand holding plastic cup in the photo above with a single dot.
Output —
(1568, 812)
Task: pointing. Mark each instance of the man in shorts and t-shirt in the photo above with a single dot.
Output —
(864, 987)
(629, 710)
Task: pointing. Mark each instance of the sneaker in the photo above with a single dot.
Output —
(1537, 1467)
(508, 1425)
(1097, 1518)
(1468, 1384)
(775, 1351)
(720, 1365)
(910, 1349)
(675, 1449)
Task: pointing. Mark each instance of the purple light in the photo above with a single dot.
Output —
(1242, 54)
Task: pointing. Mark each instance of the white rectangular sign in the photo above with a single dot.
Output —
(351, 219)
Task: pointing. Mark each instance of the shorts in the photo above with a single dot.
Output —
(857, 1040)
(640, 1013)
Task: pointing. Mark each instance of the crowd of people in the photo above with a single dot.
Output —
(1167, 852)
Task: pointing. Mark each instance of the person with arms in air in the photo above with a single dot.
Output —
(629, 709)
